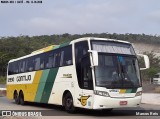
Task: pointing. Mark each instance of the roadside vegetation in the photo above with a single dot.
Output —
(13, 47)
(2, 79)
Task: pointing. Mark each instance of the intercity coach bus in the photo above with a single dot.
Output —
(91, 73)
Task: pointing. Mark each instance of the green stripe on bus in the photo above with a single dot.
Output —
(41, 85)
(64, 44)
(128, 91)
(48, 85)
(55, 47)
(134, 90)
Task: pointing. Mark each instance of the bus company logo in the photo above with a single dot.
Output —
(23, 78)
(67, 76)
(83, 100)
(114, 90)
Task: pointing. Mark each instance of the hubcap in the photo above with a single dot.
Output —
(69, 102)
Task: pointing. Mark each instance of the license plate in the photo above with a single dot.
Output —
(123, 102)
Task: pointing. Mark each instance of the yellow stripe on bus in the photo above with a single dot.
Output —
(122, 91)
(44, 49)
(32, 88)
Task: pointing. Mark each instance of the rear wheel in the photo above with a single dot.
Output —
(21, 98)
(68, 103)
(16, 98)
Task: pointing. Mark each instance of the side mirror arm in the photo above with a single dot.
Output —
(94, 57)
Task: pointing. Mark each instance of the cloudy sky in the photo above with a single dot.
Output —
(80, 16)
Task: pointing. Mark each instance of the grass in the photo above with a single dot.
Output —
(2, 80)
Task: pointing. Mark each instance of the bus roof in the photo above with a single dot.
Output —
(52, 47)
(96, 38)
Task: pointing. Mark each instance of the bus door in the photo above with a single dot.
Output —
(87, 82)
(84, 74)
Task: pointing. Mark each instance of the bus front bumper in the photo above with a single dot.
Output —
(101, 102)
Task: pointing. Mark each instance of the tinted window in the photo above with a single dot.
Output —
(42, 61)
(66, 56)
(15, 67)
(37, 62)
(30, 64)
(22, 64)
(10, 69)
(51, 59)
(81, 51)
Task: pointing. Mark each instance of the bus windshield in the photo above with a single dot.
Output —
(117, 70)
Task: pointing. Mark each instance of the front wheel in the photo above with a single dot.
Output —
(68, 103)
(107, 110)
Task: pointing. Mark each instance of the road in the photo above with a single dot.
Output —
(59, 112)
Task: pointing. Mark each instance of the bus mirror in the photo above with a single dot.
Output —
(94, 57)
(146, 61)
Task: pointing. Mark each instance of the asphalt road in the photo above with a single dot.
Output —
(59, 112)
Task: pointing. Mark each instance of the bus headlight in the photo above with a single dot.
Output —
(139, 93)
(101, 93)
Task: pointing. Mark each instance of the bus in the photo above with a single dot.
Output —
(91, 73)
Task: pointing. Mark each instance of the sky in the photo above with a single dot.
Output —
(79, 17)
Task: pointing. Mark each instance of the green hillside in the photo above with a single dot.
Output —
(13, 47)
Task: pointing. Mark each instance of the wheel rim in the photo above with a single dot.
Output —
(69, 102)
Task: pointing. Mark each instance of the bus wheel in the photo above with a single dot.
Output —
(107, 110)
(68, 103)
(21, 98)
(16, 98)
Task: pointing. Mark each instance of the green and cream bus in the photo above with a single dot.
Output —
(91, 73)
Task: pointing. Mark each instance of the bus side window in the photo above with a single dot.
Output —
(62, 58)
(42, 61)
(22, 66)
(50, 59)
(37, 63)
(67, 56)
(13, 68)
(16, 67)
(30, 64)
(10, 69)
(56, 62)
(46, 64)
(26, 67)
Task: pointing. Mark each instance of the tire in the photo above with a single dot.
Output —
(68, 103)
(16, 98)
(21, 99)
(107, 110)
